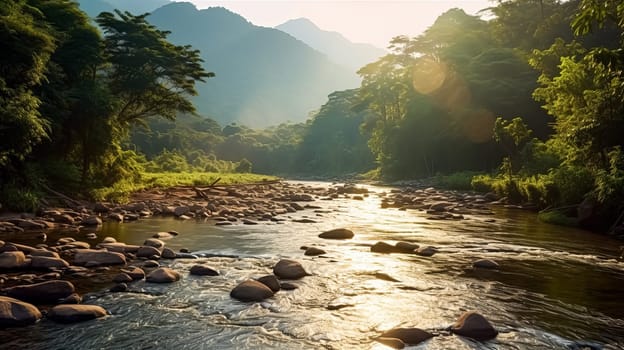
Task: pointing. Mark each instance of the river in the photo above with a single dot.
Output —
(557, 288)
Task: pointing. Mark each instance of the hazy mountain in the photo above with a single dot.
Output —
(263, 76)
(338, 48)
(94, 7)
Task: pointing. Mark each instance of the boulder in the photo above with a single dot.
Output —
(101, 257)
(168, 253)
(289, 269)
(44, 292)
(383, 247)
(43, 252)
(92, 220)
(74, 298)
(15, 313)
(136, 273)
(122, 278)
(411, 336)
(338, 233)
(426, 251)
(473, 325)
(147, 251)
(251, 290)
(153, 242)
(44, 262)
(119, 287)
(162, 235)
(313, 251)
(69, 313)
(163, 275)
(271, 282)
(12, 260)
(202, 270)
(119, 247)
(179, 211)
(485, 264)
(406, 247)
(393, 343)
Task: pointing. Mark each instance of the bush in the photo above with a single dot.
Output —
(20, 199)
(457, 181)
(244, 166)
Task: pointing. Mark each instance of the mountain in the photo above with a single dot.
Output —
(263, 75)
(94, 7)
(338, 48)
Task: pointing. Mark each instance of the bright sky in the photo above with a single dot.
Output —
(369, 21)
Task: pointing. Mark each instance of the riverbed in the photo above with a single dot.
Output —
(556, 288)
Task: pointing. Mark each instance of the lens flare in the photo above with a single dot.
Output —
(478, 126)
(428, 76)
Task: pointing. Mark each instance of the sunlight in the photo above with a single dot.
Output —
(428, 76)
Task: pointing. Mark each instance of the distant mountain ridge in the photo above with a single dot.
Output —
(94, 7)
(338, 48)
(263, 75)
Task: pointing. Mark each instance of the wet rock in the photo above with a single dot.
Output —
(270, 281)
(75, 313)
(162, 235)
(116, 217)
(289, 269)
(251, 290)
(485, 264)
(91, 235)
(109, 240)
(163, 275)
(406, 247)
(118, 288)
(151, 263)
(426, 251)
(338, 233)
(168, 253)
(43, 252)
(186, 256)
(473, 325)
(383, 247)
(122, 278)
(119, 247)
(136, 273)
(44, 262)
(313, 251)
(147, 251)
(74, 298)
(153, 242)
(411, 336)
(14, 313)
(44, 292)
(12, 260)
(92, 220)
(101, 257)
(182, 210)
(202, 270)
(393, 343)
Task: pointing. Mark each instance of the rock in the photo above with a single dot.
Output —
(151, 263)
(122, 278)
(75, 313)
(43, 252)
(147, 251)
(12, 260)
(74, 298)
(289, 269)
(411, 336)
(92, 220)
(391, 342)
(119, 287)
(406, 247)
(15, 313)
(44, 292)
(153, 242)
(288, 286)
(251, 290)
(202, 270)
(116, 217)
(101, 257)
(383, 247)
(44, 262)
(475, 326)
(119, 247)
(485, 264)
(163, 275)
(162, 235)
(109, 240)
(426, 251)
(91, 235)
(179, 211)
(168, 253)
(136, 273)
(271, 282)
(313, 251)
(338, 233)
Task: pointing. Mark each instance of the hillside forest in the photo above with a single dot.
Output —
(526, 101)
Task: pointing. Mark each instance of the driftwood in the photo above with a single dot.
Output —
(62, 196)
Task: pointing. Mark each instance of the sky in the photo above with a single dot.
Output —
(363, 21)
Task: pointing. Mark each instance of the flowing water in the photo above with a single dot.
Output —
(557, 288)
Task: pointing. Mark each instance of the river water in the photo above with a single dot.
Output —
(557, 288)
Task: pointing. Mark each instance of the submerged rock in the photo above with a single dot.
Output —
(251, 290)
(338, 233)
(101, 257)
(411, 336)
(202, 270)
(163, 275)
(289, 269)
(485, 264)
(313, 251)
(426, 251)
(391, 342)
(15, 313)
(383, 247)
(473, 325)
(75, 313)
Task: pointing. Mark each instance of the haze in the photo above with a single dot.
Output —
(374, 22)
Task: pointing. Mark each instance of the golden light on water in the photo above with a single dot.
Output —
(428, 76)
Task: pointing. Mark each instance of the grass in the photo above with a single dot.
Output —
(457, 181)
(120, 192)
(557, 218)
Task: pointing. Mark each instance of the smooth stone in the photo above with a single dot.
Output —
(411, 336)
(391, 342)
(406, 247)
(383, 247)
(119, 287)
(91, 236)
(147, 251)
(12, 259)
(92, 221)
(338, 233)
(288, 286)
(485, 264)
(162, 235)
(426, 251)
(202, 270)
(251, 290)
(74, 298)
(136, 273)
(14, 313)
(153, 242)
(313, 251)
(67, 313)
(163, 275)
(122, 278)
(473, 325)
(151, 263)
(44, 252)
(101, 257)
(109, 240)
(168, 253)
(270, 281)
(44, 292)
(44, 262)
(289, 269)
